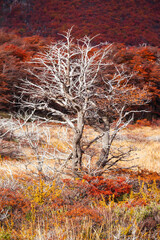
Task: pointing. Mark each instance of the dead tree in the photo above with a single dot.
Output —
(113, 110)
(66, 75)
(72, 84)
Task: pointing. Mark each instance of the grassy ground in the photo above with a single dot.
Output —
(123, 204)
(146, 142)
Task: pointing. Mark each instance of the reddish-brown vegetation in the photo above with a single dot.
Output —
(14, 53)
(35, 207)
(97, 187)
(142, 61)
(130, 22)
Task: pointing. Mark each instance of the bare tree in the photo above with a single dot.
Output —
(114, 110)
(65, 78)
(72, 85)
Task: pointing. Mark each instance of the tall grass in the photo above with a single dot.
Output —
(40, 209)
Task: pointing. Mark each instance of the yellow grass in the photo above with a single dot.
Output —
(146, 155)
(143, 139)
(147, 147)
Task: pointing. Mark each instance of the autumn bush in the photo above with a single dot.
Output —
(96, 187)
(87, 208)
(14, 204)
(142, 122)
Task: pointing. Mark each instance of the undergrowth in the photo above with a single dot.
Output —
(87, 208)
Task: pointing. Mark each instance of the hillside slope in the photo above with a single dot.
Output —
(131, 22)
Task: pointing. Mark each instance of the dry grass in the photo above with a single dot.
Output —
(144, 140)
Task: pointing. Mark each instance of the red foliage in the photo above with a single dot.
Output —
(14, 202)
(143, 122)
(81, 211)
(135, 202)
(131, 22)
(17, 52)
(143, 62)
(14, 53)
(97, 187)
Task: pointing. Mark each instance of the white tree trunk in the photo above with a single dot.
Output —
(105, 145)
(77, 151)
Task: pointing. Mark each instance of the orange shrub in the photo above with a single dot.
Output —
(143, 122)
(91, 186)
(135, 202)
(14, 203)
(82, 211)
